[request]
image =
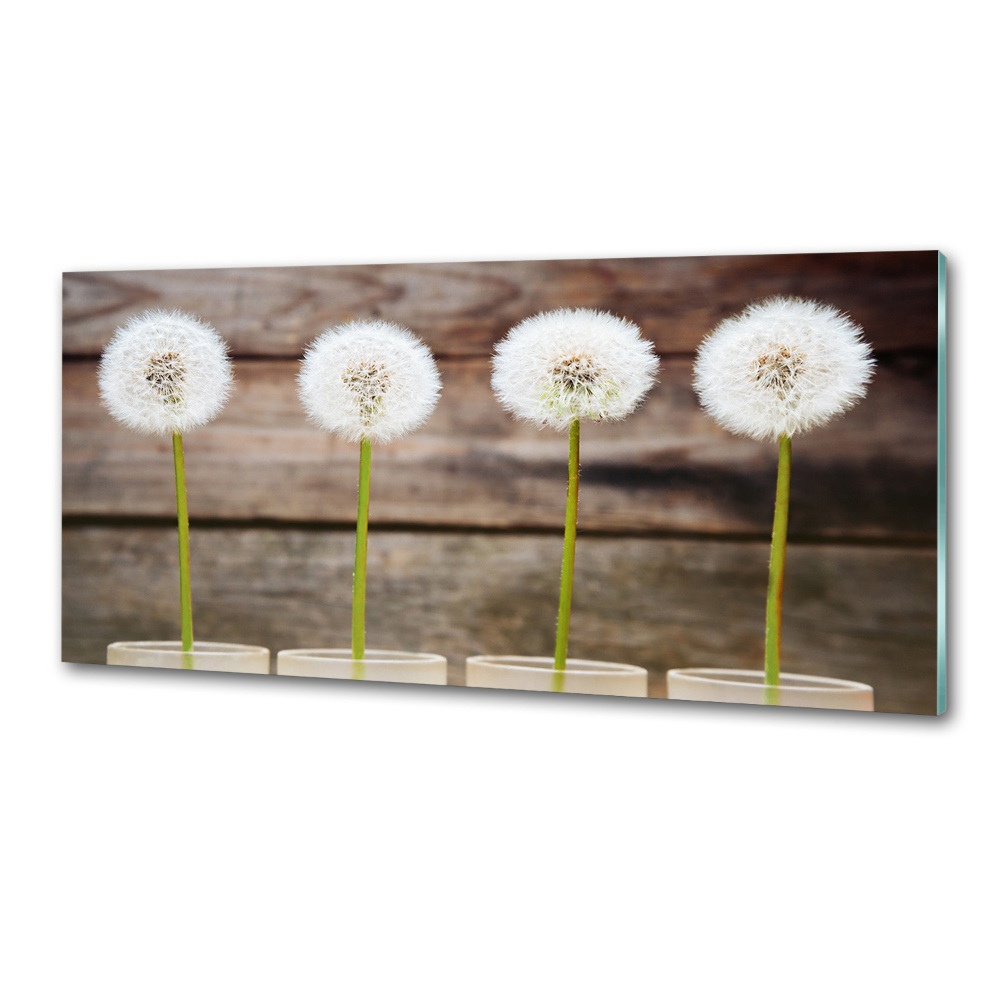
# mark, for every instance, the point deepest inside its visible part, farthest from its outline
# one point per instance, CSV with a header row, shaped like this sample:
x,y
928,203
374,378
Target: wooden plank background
x,y
675,512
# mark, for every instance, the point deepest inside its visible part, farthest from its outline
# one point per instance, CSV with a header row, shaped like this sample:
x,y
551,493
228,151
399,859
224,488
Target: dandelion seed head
x,y
570,364
781,367
368,379
165,372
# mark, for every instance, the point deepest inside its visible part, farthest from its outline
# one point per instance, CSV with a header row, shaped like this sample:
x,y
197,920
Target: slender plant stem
x,y
569,557
184,554
361,561
776,572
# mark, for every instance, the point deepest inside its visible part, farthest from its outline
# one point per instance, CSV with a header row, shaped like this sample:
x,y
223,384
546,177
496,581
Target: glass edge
x,y
942,521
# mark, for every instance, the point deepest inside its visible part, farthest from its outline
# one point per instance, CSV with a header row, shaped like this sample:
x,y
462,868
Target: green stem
x,y
569,557
776,572
184,554
361,561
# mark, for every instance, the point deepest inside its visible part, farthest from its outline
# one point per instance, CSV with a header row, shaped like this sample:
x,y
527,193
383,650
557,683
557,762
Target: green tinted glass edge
x,y
942,526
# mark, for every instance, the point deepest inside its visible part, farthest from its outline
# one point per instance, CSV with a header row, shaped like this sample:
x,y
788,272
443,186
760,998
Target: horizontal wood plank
x,y
864,613
463,309
668,467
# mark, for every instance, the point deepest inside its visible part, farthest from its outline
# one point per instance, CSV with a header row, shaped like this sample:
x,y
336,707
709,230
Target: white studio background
x,y
197,836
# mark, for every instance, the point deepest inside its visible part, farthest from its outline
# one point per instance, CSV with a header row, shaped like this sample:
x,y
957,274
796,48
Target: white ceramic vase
x,y
377,665
230,657
747,687
536,673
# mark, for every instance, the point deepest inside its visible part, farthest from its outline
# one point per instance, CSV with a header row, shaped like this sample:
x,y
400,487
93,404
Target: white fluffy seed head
x,y
781,367
567,364
165,372
368,379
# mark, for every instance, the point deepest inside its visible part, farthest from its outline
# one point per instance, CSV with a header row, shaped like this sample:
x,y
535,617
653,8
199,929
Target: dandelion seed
x,y
781,367
165,373
573,364
556,369
368,380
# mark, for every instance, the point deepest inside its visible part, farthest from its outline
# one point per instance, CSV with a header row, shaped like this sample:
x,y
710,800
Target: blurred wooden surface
x,y
668,467
462,309
675,512
857,612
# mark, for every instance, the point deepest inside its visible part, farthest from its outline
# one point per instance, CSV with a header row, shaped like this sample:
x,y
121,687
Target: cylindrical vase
x,y
747,687
231,657
537,673
377,665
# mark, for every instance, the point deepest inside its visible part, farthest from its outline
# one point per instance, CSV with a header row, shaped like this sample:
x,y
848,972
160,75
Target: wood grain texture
x,y
667,468
863,613
462,309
